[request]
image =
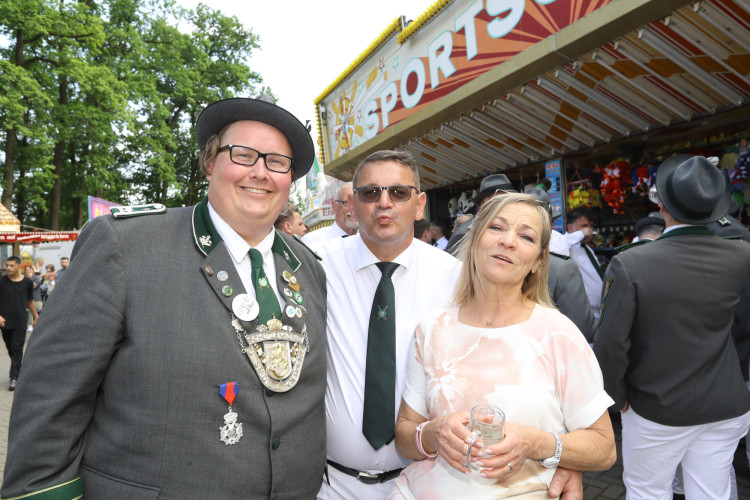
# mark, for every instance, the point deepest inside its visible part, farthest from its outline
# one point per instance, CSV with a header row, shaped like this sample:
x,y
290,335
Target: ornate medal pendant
x,y
231,432
277,354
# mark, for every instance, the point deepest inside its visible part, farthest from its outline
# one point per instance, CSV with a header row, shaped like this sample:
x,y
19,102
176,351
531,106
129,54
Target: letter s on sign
x,y
498,28
388,98
372,120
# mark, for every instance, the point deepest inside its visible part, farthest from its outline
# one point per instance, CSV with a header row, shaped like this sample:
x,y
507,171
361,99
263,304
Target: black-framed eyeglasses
x,y
343,202
371,194
246,156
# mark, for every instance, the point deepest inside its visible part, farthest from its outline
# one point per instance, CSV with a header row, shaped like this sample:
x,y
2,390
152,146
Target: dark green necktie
x,y
593,259
378,422
267,301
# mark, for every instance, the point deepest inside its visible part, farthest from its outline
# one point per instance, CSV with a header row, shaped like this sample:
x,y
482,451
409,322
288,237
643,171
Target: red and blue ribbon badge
x,y
229,391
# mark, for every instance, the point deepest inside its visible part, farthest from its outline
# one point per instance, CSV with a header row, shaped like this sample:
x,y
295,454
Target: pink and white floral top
x,y
540,372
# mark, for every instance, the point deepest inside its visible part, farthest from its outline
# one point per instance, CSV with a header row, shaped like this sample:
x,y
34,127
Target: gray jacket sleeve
x,y
612,337
568,294
65,363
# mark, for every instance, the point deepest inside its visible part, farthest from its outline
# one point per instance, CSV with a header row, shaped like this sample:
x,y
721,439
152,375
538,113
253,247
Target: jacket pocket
x,y
100,486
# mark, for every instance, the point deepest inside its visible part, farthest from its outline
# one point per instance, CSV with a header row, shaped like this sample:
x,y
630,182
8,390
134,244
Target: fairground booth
x,y
588,94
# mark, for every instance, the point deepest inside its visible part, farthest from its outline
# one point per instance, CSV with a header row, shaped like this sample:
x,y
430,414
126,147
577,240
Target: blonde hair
x,y
470,282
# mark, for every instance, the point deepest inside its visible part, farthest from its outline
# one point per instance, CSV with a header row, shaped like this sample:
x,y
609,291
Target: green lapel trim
x,y
72,490
686,230
207,238
632,245
594,262
204,231
281,249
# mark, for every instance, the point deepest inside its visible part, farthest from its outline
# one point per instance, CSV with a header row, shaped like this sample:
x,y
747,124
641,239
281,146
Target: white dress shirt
x,y
558,244
424,279
238,249
324,233
442,243
592,282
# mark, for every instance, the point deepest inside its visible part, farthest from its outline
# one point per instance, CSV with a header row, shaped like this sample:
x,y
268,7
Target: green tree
x,y
101,98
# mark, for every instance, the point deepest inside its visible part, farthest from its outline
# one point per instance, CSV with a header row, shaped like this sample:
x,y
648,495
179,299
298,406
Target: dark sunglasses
x,y
371,194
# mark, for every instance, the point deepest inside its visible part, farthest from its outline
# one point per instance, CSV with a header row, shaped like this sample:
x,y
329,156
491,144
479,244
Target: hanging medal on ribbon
x,y
231,432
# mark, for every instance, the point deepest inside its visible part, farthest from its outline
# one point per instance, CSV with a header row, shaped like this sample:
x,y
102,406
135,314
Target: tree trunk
x,y
57,161
77,200
54,208
20,191
192,196
10,167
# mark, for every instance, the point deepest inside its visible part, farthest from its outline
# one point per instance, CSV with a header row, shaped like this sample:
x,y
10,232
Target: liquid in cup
x,y
486,423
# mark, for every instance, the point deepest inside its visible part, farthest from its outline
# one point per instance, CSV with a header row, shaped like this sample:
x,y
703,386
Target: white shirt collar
x,y
235,243
363,257
677,226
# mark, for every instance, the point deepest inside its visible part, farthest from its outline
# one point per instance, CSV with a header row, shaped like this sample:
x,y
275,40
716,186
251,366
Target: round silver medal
x,y
245,307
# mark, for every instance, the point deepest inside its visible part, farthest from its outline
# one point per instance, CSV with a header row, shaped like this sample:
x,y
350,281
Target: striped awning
x,y
692,64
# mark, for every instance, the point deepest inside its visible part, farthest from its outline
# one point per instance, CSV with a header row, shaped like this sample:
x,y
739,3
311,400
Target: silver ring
x,y
510,467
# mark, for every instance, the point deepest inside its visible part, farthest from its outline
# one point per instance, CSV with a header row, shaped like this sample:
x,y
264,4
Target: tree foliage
x,y
101,98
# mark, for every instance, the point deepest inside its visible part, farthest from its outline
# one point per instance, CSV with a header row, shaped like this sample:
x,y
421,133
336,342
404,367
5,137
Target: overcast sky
x,y
307,44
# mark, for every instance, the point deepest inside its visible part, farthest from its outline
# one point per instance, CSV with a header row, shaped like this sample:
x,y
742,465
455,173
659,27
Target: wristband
x,y
418,440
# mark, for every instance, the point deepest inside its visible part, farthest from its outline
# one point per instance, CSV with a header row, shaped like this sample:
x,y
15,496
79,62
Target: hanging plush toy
x,y
578,198
614,183
463,203
641,180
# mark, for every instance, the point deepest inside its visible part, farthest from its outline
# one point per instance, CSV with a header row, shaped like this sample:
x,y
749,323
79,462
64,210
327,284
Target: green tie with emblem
x,y
264,294
378,419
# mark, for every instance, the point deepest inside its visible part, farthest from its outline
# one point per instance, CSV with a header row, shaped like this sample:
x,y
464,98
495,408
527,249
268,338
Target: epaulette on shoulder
x,y
566,257
137,210
724,222
631,245
299,240
733,237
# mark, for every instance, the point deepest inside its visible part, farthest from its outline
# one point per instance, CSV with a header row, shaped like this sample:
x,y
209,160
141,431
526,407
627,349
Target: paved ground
x,y
597,485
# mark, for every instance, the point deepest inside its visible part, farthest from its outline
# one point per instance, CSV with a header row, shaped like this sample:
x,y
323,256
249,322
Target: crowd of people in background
x,y
352,357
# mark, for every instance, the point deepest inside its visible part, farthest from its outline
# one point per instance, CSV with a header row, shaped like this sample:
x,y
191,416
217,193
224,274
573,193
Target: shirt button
x,y
379,464
275,443
269,393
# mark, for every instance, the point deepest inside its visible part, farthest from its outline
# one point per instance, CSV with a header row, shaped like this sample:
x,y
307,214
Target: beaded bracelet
x,y
418,441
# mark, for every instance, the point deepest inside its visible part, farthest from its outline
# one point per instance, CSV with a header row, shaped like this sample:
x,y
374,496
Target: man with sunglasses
x,y
386,201
343,223
194,367
369,337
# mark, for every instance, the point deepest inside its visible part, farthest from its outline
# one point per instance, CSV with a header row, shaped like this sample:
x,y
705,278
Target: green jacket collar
x,y
206,237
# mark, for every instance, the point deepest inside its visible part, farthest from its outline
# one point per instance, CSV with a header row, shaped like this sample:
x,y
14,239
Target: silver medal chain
x,y
241,331
238,328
